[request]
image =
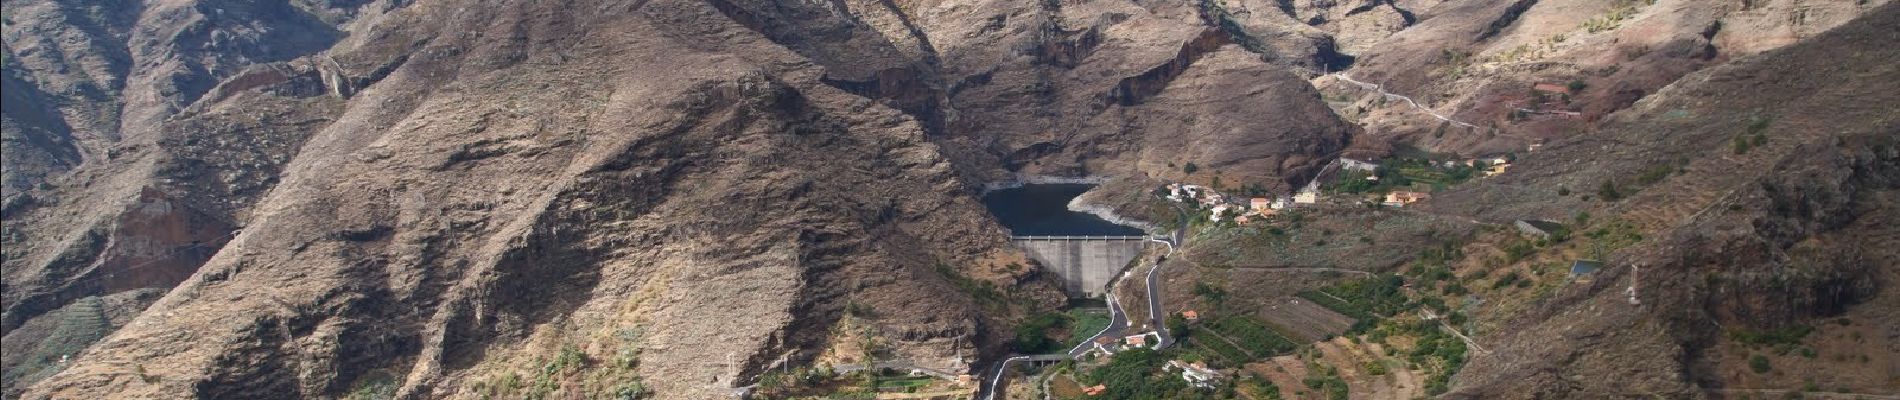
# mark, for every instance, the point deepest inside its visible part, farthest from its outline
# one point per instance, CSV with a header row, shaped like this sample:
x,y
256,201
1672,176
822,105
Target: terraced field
x,y
1367,371
1303,320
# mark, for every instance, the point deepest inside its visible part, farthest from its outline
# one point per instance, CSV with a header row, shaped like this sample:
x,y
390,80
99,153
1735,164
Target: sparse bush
x,y
1608,191
1759,364
1190,168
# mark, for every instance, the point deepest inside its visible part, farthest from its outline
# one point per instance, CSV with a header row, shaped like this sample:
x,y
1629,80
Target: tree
x,y
1577,85
1759,364
1210,293
1608,191
1177,325
1190,168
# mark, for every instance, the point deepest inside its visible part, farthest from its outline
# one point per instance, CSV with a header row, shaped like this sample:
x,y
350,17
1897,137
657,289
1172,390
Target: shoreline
x,y
1107,213
1021,180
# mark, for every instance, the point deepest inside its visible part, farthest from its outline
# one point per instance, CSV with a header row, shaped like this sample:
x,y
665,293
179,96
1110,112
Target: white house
x,y
1195,373
1356,165
1307,197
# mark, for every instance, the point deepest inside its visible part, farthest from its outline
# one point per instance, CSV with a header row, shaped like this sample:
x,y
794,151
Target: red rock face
x,y
157,243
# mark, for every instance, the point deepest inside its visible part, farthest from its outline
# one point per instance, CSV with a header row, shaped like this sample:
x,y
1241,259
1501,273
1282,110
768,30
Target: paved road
x,y
1157,317
1117,322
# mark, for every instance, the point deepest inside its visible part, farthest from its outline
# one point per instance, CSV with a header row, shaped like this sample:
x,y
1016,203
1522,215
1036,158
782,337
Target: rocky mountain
x,y
332,195
591,198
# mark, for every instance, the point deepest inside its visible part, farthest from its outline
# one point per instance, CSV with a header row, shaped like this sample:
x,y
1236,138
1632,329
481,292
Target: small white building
x,y
1307,197
1196,373
1356,165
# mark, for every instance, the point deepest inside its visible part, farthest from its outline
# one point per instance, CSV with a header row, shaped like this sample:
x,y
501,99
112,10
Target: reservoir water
x,y
1043,210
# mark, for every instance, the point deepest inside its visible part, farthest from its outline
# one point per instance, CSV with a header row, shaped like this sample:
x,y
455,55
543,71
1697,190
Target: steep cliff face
x,y
1064,88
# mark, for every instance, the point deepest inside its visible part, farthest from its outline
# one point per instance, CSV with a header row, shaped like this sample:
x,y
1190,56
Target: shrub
x,y
1759,364
1375,367
1190,168
1608,191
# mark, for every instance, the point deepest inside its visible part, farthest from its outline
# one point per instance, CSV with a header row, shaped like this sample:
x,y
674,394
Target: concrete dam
x,y
1085,263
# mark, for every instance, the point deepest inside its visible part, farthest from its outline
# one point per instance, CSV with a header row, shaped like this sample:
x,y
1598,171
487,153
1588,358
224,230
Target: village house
x,y
1195,373
1260,203
1137,340
1095,390
1191,315
1218,210
1496,169
1243,220
1307,197
1356,165
1400,198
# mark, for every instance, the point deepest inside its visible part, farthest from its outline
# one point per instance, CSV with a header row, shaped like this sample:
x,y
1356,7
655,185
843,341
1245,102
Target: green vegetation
x,y
1136,374
1376,367
1254,336
1084,324
1261,389
1363,299
1754,135
375,385
1178,324
1032,336
1439,353
1608,192
1202,338
1511,278
1759,364
77,325
1403,173
1619,11
570,359
1212,294
985,293
1576,85
1773,337
1190,168
1327,381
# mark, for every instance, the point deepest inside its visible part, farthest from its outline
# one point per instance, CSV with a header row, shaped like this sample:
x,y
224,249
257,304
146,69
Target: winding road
x,y
1118,318
1408,100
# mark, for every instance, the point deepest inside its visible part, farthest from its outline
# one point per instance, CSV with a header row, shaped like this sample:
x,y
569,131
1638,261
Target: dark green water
x,y
1043,209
